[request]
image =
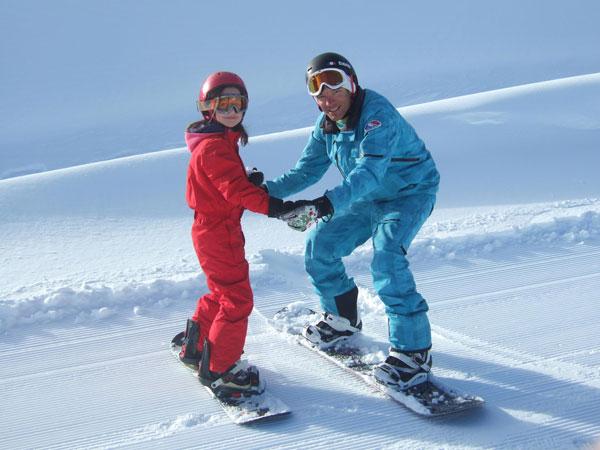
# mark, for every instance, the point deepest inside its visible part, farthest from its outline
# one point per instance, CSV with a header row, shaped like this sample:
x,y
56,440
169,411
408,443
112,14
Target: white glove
x,y
301,218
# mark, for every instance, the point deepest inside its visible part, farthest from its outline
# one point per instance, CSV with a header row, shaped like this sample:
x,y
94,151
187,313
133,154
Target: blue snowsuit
x,y
388,191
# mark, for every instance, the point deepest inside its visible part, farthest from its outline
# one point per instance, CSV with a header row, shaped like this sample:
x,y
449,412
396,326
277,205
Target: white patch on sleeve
x,y
371,125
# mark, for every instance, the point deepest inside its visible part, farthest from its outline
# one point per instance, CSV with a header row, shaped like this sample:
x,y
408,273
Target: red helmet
x,y
218,81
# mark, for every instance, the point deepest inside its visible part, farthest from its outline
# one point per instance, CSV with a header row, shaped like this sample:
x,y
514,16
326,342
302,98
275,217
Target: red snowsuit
x,y
218,191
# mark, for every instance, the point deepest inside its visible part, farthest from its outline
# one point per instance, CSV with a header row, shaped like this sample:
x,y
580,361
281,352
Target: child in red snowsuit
x,y
219,190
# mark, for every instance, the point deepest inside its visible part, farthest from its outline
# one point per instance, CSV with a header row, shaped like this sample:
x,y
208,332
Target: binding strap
x,y
409,361
227,376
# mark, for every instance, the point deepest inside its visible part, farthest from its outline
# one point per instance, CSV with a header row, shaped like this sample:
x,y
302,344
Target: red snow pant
x,y
222,314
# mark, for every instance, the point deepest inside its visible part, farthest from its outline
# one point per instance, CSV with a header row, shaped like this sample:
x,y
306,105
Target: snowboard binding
x,y
188,341
236,385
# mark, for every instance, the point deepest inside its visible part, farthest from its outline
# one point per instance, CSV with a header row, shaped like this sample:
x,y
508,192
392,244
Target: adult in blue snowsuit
x,y
388,190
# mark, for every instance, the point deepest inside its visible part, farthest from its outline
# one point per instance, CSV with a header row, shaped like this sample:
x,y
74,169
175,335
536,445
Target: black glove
x,y
324,207
256,178
278,207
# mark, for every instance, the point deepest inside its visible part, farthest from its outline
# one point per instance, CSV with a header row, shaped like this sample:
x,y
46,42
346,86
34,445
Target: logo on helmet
x,y
340,63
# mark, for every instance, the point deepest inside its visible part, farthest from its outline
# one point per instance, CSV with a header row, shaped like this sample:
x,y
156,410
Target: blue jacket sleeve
x,y
375,156
309,169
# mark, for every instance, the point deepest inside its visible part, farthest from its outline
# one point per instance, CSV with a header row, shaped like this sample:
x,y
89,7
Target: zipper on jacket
x,y
406,159
371,155
337,163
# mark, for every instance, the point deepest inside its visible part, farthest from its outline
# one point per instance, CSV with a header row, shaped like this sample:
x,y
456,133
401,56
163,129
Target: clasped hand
x,y
302,214
299,215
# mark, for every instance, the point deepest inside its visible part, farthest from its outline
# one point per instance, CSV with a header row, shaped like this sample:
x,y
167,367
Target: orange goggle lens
x,y
225,103
332,78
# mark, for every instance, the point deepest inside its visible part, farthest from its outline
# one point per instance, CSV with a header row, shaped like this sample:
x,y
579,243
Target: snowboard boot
x,y
234,385
403,370
331,330
189,353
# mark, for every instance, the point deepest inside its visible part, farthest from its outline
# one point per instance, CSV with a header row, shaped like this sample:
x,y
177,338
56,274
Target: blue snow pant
x,y
392,225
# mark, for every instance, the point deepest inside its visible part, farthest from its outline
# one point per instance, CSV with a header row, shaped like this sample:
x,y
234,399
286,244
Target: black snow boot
x,y
331,329
238,382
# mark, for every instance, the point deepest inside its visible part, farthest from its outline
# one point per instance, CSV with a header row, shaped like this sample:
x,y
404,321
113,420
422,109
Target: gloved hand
x,y
324,207
278,207
306,213
254,176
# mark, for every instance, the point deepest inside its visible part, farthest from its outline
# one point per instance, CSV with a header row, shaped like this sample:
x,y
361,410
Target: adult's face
x,y
335,103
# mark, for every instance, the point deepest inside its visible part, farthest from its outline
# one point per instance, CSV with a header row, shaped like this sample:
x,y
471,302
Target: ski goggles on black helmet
x,y
332,78
225,103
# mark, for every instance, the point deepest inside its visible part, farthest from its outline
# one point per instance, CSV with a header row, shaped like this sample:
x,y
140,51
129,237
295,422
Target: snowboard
x,y
431,398
241,411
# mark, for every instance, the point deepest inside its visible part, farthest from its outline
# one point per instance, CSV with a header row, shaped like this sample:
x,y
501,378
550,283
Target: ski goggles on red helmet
x,y
332,78
225,103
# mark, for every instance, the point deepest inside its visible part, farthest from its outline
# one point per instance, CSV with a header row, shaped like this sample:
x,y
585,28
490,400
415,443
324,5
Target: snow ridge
x,y
94,302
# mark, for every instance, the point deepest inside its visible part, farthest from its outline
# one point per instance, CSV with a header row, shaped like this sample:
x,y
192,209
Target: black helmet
x,y
332,61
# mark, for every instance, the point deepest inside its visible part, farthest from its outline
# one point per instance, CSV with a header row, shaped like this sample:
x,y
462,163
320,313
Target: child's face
x,y
231,118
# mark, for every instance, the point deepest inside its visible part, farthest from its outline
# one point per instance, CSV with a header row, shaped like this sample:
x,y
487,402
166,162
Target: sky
x,y
84,82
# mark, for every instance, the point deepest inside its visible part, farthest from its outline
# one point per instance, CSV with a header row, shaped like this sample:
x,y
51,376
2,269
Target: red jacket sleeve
x,y
224,168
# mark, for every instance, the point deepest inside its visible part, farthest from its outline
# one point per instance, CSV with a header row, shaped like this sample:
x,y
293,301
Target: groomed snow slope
x,y
98,273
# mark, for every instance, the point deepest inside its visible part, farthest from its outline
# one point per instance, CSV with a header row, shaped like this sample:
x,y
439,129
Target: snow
x,y
97,271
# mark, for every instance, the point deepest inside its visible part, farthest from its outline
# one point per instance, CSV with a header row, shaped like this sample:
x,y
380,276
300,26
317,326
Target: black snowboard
x,y
430,398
